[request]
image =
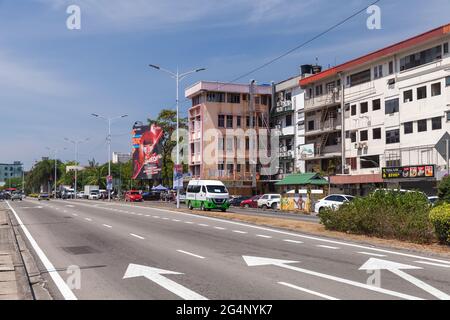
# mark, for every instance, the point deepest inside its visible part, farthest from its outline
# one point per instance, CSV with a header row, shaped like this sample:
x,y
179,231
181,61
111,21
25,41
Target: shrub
x,y
440,217
403,216
444,189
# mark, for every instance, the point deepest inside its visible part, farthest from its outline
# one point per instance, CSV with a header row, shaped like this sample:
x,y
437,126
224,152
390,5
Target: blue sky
x,y
52,78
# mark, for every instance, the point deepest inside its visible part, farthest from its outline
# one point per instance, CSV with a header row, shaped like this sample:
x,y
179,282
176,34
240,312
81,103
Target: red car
x,y
133,196
250,203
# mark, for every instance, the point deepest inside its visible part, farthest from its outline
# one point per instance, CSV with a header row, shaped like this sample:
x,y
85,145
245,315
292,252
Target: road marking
x,y
219,228
292,241
433,264
165,218
191,254
308,291
287,233
238,231
147,215
175,220
372,254
203,225
59,282
74,214
156,217
264,236
137,236
106,225
259,261
65,211
156,275
328,247
396,268
140,214
188,222
87,219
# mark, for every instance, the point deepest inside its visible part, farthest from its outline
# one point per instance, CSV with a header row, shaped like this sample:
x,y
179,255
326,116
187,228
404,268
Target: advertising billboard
x,y
409,172
147,151
306,151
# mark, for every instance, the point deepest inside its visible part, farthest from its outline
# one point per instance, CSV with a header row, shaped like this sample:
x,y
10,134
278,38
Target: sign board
x,y
73,168
441,146
410,172
178,176
306,151
109,183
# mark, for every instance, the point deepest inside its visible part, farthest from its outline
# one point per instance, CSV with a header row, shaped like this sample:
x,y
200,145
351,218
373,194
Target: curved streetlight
x,y
55,152
76,143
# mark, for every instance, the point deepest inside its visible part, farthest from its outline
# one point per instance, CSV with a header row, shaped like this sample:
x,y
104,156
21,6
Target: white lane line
x,y
137,236
238,231
74,214
203,225
372,254
188,222
87,219
140,214
264,236
175,220
165,218
293,241
191,254
106,225
59,282
219,228
65,211
315,293
147,215
433,264
327,247
156,217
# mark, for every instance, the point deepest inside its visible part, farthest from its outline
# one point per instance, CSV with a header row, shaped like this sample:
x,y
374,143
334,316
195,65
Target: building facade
x,y
220,119
387,109
9,171
121,157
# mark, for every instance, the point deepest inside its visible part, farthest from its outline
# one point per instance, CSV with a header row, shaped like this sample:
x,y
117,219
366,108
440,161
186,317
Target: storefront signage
x,y
409,172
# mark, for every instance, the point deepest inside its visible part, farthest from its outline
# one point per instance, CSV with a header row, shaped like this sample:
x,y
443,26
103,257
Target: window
x,y
233,98
446,48
265,100
421,93
353,136
247,143
378,72
370,162
353,111
215,97
391,106
376,134
376,104
448,116
229,144
311,125
436,89
391,67
351,162
408,127
360,77
363,135
196,100
238,121
221,121
392,136
364,107
422,125
319,90
289,120
407,96
447,81
420,58
229,121
436,123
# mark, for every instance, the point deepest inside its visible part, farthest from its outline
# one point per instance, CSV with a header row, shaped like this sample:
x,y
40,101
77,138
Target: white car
x,y
80,195
269,201
333,201
94,195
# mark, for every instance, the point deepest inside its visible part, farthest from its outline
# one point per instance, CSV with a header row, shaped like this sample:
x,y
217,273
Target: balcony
x,y
319,102
196,158
286,154
285,131
331,124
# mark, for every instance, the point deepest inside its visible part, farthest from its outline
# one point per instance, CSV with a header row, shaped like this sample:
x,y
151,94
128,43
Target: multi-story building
x,y
9,171
396,104
220,118
287,118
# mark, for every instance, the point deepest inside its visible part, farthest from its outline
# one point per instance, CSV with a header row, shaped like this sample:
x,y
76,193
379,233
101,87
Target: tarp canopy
x,y
303,179
159,188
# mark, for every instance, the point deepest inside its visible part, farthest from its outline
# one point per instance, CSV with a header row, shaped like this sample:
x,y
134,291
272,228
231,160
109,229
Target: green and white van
x,y
207,195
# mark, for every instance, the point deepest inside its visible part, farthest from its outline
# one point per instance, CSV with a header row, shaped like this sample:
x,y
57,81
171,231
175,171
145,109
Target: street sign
x,y
109,183
441,146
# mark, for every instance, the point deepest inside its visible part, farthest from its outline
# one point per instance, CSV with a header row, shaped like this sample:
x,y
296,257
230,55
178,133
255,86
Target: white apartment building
x,y
287,118
396,104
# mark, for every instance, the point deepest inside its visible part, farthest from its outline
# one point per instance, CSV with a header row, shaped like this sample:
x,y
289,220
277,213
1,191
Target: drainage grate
x,y
80,250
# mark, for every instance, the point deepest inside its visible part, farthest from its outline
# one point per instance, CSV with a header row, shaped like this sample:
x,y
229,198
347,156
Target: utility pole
x,y
55,153
76,143
253,151
448,156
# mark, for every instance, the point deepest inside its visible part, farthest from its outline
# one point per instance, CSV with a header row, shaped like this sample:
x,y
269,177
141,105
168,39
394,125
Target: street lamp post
x,y
109,120
178,77
76,143
55,152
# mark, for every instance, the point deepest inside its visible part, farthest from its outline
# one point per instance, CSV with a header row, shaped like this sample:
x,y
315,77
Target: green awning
x,y
302,180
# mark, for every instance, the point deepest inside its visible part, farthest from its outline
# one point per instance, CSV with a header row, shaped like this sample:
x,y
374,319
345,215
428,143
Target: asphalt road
x,y
117,247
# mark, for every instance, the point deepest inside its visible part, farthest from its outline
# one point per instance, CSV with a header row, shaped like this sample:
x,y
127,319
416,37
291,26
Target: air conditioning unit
x,y
364,145
357,146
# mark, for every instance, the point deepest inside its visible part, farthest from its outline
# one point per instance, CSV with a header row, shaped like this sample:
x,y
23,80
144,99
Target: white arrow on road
x,y
259,261
155,275
396,268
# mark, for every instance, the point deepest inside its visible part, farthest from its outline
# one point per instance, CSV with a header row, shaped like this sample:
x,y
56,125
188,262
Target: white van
x,y
207,195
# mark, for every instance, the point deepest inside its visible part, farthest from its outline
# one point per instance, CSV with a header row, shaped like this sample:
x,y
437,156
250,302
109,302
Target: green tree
x,y
444,189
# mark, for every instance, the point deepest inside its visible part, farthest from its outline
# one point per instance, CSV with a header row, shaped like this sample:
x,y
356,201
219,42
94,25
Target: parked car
x,y
151,196
333,201
80,195
236,201
94,195
44,196
269,201
133,196
433,200
16,196
251,202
